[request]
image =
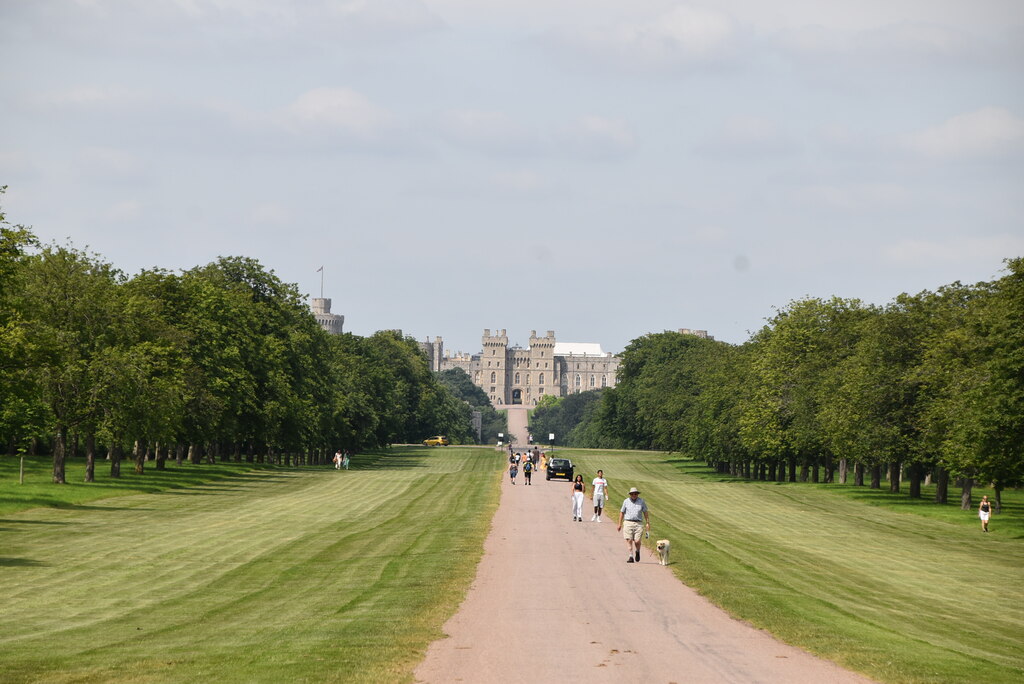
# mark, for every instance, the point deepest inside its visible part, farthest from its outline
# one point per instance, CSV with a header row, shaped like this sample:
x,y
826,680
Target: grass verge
x,y
902,593
299,575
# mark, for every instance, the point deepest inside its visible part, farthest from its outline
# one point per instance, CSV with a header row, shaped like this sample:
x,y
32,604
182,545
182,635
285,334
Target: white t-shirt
x,y
599,484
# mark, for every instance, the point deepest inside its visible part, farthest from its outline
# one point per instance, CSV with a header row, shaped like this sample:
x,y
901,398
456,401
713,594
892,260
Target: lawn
x,y
232,574
898,590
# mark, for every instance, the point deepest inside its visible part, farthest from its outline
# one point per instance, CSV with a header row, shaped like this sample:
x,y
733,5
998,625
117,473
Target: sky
x,y
601,169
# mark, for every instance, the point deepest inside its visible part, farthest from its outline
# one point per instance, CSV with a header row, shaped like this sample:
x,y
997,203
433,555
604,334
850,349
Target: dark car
x,y
560,467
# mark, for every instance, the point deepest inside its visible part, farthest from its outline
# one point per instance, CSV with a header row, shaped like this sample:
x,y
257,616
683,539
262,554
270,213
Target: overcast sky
x,y
603,169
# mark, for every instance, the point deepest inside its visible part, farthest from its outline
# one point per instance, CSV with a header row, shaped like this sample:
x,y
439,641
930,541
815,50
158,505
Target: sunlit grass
x,y
298,575
900,592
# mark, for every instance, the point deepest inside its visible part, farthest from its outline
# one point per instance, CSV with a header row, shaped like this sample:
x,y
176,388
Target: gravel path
x,y
555,601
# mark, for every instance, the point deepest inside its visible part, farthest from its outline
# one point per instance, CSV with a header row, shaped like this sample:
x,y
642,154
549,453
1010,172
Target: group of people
x,y
634,517
529,462
341,459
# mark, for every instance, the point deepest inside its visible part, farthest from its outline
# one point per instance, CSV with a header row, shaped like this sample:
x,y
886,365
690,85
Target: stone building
x,y
332,323
517,375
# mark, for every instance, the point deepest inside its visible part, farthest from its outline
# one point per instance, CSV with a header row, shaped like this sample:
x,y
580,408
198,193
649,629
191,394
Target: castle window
x,y
517,378
579,380
494,376
541,379
592,381
604,381
527,378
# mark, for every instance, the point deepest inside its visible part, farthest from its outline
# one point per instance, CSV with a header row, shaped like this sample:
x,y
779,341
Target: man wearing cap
x,y
632,517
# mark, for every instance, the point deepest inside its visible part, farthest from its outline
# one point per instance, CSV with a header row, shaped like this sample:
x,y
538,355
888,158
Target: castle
x,y
513,375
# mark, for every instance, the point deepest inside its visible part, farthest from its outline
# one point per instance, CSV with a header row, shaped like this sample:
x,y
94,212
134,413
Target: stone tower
x,y
494,366
332,323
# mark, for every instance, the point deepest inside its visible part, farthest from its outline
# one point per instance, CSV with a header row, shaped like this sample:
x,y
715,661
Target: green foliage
x,y
567,417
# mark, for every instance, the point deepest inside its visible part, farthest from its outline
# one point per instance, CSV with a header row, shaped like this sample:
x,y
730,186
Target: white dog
x,y
664,546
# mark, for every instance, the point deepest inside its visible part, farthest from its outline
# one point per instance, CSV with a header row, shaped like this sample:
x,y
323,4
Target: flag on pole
x,y
320,269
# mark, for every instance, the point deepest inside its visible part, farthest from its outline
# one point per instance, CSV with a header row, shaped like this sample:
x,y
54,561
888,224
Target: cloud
x,y
589,137
748,137
989,133
485,131
191,27
684,36
854,197
954,251
915,41
597,137
331,111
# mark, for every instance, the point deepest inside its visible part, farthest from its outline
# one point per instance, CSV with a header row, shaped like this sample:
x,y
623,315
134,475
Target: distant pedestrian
x,y
345,459
527,472
513,470
578,489
633,513
984,510
600,492
337,460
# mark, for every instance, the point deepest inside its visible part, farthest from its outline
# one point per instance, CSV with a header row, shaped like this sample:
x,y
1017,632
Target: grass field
x,y
901,591
229,574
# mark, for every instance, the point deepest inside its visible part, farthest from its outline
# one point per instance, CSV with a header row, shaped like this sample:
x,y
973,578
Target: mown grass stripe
x,y
893,593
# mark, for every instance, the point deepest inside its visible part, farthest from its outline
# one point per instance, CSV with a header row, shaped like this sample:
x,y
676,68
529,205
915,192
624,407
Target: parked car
x,y
560,467
440,440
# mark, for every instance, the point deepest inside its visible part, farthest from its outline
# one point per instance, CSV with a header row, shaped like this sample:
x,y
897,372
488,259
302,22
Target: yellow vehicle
x,y
440,440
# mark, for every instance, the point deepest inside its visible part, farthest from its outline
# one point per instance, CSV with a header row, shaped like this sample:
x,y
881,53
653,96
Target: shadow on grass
x,y
20,563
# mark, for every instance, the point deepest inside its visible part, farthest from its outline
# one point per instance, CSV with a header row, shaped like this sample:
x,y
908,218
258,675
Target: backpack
x,y
527,467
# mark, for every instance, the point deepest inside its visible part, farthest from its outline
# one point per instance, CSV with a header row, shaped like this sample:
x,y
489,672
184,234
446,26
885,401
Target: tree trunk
x,y
161,456
830,469
804,471
997,504
771,470
115,458
914,471
876,476
941,485
139,456
90,457
74,445
966,503
237,456
59,447
894,477
250,457
843,470
815,471
211,452
858,474
195,453
179,453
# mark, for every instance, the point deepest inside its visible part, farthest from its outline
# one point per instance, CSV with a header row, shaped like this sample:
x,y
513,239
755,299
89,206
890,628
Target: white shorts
x,y
983,515
599,500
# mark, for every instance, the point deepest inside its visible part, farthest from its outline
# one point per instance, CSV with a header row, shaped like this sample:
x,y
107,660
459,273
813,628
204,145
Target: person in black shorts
x,y
527,471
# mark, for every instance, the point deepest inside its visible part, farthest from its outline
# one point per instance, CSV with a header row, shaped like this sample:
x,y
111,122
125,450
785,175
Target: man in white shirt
x,y
600,492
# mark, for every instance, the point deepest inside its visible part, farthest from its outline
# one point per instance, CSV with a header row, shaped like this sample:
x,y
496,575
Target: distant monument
x,y
513,375
332,323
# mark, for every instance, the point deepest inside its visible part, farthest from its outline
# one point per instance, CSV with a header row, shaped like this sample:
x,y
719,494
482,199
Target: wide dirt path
x,y
555,601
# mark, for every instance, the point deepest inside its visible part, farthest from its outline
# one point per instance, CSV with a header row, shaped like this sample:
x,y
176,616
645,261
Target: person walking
x,y
578,489
632,517
527,472
600,488
337,460
984,511
513,470
346,458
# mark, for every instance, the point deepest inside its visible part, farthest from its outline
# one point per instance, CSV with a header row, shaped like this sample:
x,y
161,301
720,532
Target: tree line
x,y
926,388
220,361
